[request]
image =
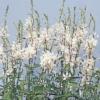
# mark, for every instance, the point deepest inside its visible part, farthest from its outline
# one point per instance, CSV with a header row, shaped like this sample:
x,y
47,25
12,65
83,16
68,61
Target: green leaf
x,y
38,89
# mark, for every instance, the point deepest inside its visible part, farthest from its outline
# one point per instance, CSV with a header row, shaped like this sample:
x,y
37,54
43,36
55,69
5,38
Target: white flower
x,y
44,36
74,41
16,50
80,33
17,54
3,32
90,61
62,47
47,60
33,35
90,43
87,70
2,55
15,46
65,76
59,27
9,71
88,65
68,39
28,52
28,24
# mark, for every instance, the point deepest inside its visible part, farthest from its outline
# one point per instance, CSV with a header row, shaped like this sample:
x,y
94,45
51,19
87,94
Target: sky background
x,y
19,9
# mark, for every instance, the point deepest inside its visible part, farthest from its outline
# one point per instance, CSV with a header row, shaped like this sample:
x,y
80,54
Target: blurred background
x,y
20,9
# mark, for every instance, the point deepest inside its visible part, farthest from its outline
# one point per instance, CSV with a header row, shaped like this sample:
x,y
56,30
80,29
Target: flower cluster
x,y
56,40
47,60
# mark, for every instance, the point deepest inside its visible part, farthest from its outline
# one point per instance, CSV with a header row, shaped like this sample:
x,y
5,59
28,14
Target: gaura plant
x,y
52,63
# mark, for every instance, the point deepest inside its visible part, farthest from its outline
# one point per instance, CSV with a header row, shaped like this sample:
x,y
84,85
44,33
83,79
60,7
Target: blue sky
x,y
19,9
